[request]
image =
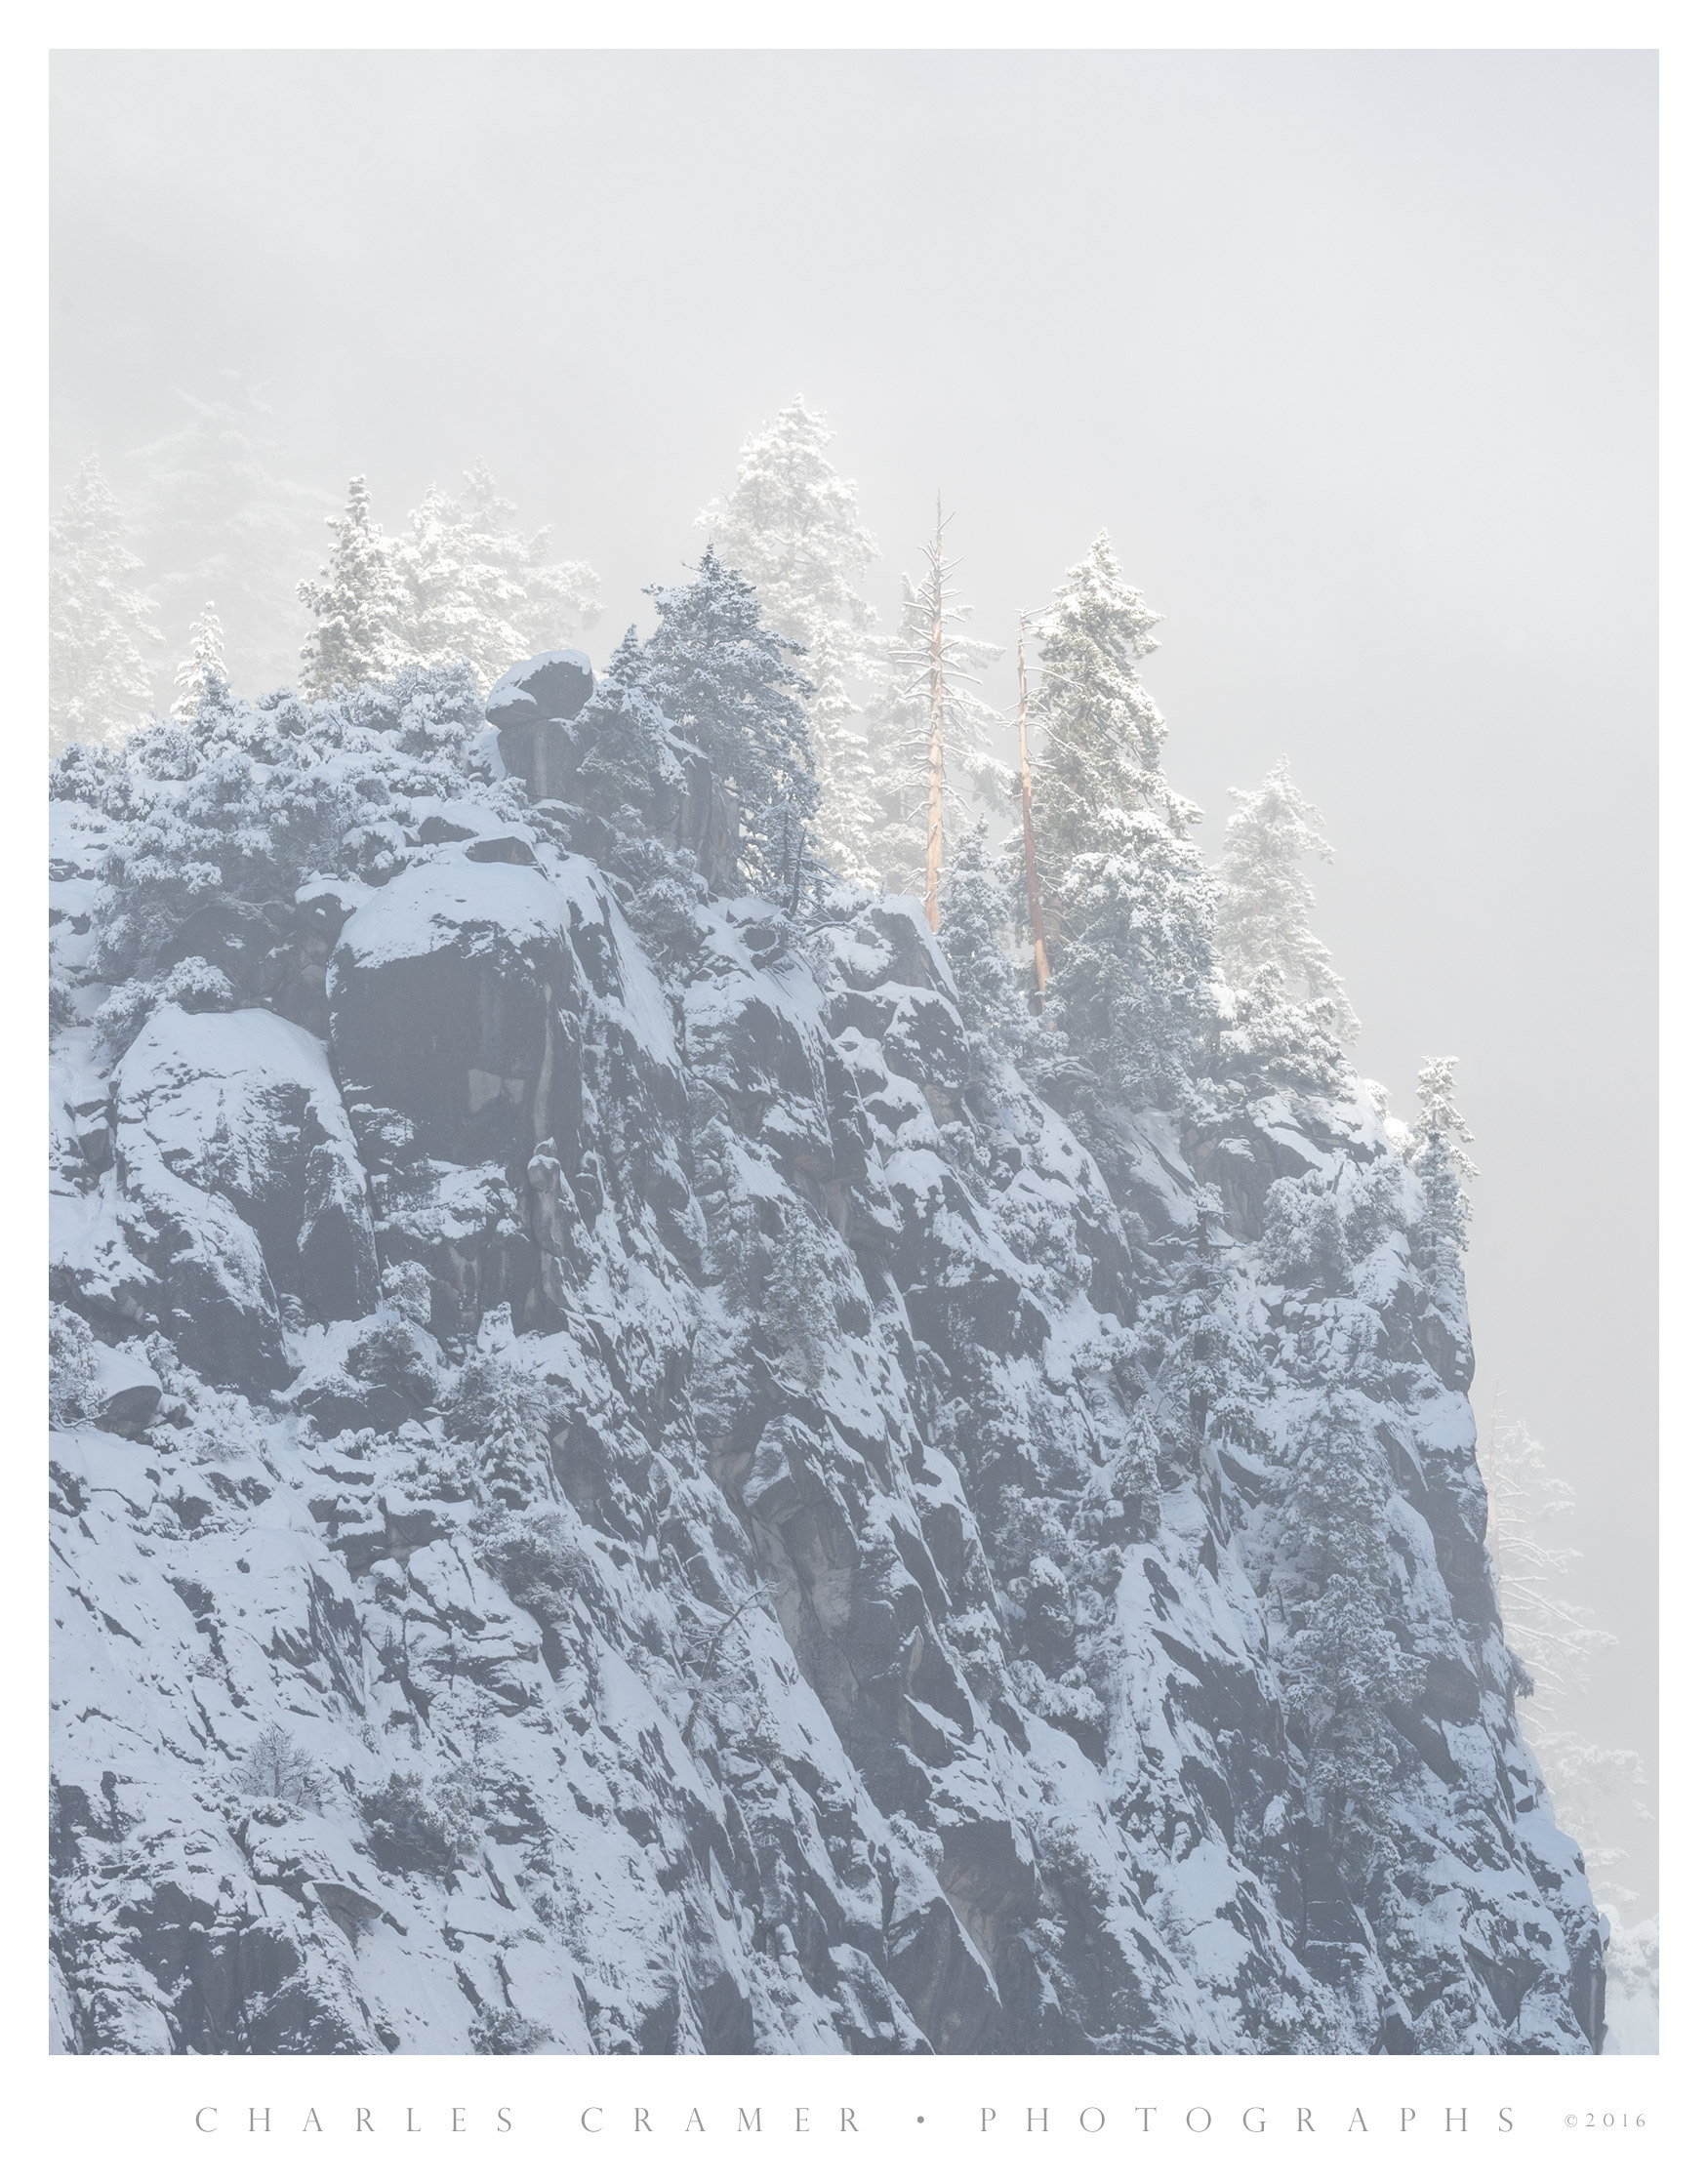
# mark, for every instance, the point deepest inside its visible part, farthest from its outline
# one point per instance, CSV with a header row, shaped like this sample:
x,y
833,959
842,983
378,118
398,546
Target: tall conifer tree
x,y
360,604
971,932
1129,907
1442,1168
479,590
218,520
1040,961
731,686
1265,917
1288,1021
791,525
98,626
1342,1667
1100,732
202,675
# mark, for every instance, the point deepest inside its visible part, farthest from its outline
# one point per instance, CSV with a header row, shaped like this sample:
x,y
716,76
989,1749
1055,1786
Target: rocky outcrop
x,y
534,708
657,1508
233,1182
454,1000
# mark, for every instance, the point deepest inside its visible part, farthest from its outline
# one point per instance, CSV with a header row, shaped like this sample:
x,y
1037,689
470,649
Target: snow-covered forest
x,y
737,1362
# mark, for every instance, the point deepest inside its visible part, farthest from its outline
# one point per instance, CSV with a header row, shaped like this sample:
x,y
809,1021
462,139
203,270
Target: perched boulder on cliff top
x,y
549,686
455,1001
529,707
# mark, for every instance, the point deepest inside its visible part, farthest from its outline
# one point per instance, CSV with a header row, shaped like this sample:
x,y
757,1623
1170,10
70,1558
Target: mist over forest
x,y
769,738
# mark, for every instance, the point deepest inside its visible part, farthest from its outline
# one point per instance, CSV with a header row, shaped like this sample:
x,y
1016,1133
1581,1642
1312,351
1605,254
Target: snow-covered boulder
x,y
238,1182
549,686
125,1390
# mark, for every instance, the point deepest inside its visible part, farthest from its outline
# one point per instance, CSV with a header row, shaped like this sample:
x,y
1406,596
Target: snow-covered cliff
x,y
620,1486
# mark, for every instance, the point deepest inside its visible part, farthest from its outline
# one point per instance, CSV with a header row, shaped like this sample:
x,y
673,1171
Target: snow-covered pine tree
x,y
1550,1634
1100,732
217,520
98,685
1134,956
623,740
360,604
1265,917
499,1407
975,916
1442,1169
930,732
1286,1017
1342,1666
730,685
1128,905
481,590
1134,1479
1210,1380
71,1367
202,676
1557,1643
791,525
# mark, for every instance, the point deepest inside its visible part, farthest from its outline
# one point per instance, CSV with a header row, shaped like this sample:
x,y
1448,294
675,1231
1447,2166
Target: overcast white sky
x,y
1353,354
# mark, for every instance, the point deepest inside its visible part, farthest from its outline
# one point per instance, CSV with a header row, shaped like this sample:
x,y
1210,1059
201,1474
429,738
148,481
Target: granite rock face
x,y
620,1533
454,1004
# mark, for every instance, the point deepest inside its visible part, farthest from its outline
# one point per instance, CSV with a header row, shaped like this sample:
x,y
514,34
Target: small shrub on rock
x,y
70,1366
414,1828
279,1771
409,1291
533,1555
387,1357
508,2030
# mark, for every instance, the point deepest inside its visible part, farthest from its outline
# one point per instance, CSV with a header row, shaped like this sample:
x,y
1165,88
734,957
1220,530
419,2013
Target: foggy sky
x,y
1353,354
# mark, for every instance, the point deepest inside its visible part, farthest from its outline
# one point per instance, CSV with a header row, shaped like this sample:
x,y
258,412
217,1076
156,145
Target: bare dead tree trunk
x,y
934,822
723,1629
1034,901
